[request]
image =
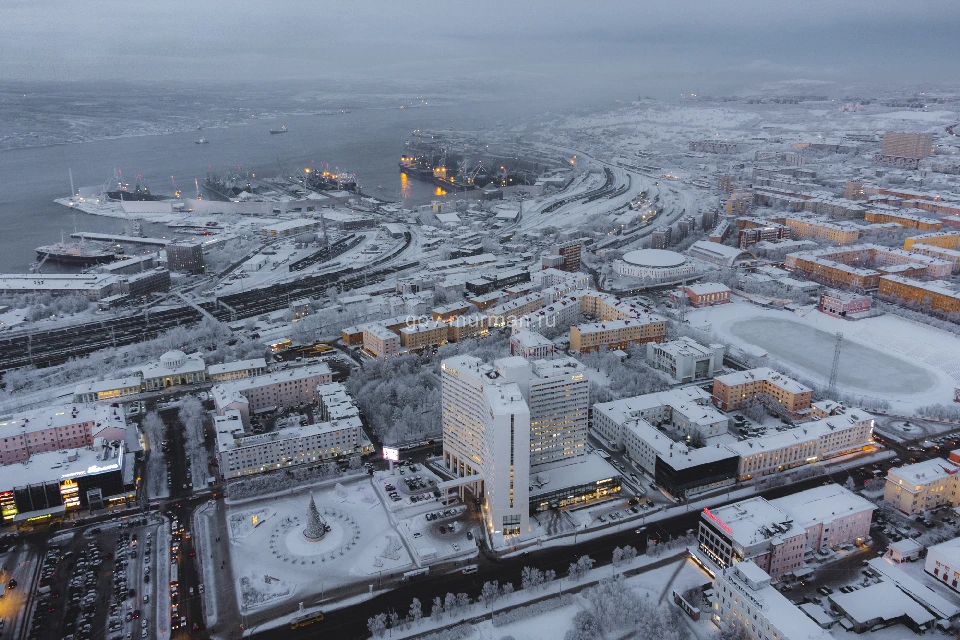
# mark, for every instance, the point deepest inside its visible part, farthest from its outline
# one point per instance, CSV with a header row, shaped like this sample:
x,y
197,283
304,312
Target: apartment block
x,y
58,428
685,412
804,444
424,335
616,334
729,391
907,145
942,239
380,342
839,232
531,345
917,488
240,453
776,535
904,219
282,389
937,295
744,598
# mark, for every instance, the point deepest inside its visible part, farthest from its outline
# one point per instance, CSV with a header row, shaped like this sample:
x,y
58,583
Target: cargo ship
x,y
282,129
431,157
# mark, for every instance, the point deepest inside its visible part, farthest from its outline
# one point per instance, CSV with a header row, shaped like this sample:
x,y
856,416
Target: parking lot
x,y
88,587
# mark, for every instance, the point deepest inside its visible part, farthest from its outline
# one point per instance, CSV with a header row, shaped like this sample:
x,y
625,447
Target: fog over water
x,y
81,72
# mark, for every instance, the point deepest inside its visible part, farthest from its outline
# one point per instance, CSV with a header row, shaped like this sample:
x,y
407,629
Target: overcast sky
x,y
663,46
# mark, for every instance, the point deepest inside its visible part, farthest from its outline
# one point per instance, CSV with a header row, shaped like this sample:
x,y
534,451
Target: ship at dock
x,y
77,253
119,190
452,165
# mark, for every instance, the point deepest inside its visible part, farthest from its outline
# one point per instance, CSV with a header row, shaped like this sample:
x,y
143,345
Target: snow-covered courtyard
x,y
274,562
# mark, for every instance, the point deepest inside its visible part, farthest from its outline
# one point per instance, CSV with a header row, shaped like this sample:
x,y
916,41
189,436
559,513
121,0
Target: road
x,y
350,623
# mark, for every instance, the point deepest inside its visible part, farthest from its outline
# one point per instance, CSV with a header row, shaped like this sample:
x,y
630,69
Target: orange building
x,y
936,295
904,219
731,390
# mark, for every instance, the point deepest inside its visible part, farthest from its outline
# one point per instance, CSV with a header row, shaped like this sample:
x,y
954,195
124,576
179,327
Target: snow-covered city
x,y
415,349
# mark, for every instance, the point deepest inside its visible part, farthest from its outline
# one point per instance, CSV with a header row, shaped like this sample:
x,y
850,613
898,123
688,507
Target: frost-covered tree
x,y
377,625
585,627
579,568
489,593
316,527
191,415
416,611
436,611
531,578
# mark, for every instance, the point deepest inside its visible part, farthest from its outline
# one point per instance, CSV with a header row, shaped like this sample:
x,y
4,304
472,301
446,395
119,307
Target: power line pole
x,y
835,369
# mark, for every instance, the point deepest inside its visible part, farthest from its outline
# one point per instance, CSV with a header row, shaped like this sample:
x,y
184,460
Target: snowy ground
x,y
273,562
657,584
885,357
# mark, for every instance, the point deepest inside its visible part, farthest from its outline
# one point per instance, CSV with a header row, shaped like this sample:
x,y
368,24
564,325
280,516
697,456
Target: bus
x,y
302,621
174,578
416,573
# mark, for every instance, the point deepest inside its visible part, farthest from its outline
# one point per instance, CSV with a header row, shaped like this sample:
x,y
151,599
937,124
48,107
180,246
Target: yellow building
x,y
423,335
820,228
617,334
944,239
731,390
915,488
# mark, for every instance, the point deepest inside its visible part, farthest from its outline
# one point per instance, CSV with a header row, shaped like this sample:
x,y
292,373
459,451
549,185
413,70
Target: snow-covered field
x,y
885,357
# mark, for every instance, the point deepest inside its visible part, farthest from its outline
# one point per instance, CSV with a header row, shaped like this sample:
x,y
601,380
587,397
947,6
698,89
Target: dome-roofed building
x,y
654,266
174,368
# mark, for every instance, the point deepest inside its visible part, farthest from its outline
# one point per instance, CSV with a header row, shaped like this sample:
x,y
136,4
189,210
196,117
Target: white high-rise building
x,y
486,431
557,393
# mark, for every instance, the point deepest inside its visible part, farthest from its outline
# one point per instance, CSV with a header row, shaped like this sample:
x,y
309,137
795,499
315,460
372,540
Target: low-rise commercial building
x,y
696,471
107,389
943,563
51,484
721,254
236,370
